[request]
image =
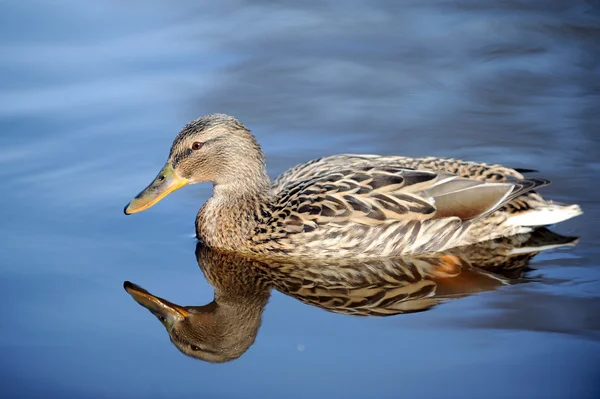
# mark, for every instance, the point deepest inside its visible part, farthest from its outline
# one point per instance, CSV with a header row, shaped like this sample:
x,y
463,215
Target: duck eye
x,y
197,145
194,348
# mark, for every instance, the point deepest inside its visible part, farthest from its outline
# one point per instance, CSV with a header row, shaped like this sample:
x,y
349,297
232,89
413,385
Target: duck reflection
x,y
225,328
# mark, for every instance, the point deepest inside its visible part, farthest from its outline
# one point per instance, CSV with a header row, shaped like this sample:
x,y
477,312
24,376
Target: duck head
x,y
216,148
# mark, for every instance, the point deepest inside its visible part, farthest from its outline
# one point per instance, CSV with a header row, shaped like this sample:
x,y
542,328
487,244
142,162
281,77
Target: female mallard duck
x,y
343,205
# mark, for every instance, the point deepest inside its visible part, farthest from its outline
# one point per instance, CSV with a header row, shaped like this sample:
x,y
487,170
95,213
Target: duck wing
x,y
472,170
373,196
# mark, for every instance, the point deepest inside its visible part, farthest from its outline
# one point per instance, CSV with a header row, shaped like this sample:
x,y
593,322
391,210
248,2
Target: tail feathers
x,y
544,215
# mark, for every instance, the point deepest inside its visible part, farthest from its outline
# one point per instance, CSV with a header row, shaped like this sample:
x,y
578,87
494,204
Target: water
x,y
92,95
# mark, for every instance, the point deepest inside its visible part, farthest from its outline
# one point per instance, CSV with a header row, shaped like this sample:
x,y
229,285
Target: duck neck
x,y
227,220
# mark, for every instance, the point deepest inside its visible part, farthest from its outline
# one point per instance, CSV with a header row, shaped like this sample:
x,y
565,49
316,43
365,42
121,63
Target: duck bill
x,y
167,312
164,184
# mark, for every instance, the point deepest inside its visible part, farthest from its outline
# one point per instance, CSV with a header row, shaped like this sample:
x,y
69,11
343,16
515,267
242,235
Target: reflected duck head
x,y
215,332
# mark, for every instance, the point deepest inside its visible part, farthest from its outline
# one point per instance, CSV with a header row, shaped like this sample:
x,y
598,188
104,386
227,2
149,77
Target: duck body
x,y
346,205
353,205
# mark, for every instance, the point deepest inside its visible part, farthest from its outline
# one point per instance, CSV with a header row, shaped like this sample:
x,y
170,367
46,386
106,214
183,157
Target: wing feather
x,y
372,196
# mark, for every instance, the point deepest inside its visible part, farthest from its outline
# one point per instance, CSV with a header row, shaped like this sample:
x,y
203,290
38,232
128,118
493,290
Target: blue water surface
x,y
93,92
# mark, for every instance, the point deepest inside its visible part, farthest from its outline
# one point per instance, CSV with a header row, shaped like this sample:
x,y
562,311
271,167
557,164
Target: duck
x,y
346,205
225,328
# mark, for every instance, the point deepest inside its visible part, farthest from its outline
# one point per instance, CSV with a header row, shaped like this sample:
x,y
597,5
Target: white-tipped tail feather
x,y
545,215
